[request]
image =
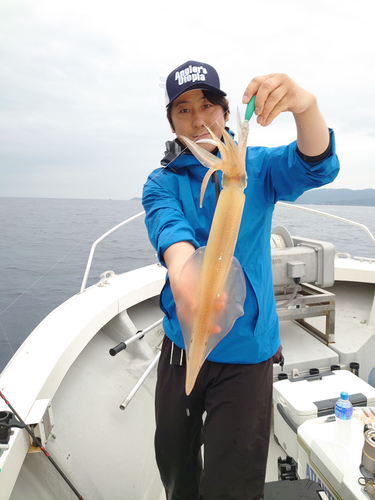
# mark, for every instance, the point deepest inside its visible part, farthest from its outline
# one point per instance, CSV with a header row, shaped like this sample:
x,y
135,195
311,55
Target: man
x,y
234,386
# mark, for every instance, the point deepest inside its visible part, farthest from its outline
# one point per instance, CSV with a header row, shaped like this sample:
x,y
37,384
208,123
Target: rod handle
x,y
118,348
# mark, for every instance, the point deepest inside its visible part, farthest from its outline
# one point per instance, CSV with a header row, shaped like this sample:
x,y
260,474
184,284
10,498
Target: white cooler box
x,y
300,399
326,460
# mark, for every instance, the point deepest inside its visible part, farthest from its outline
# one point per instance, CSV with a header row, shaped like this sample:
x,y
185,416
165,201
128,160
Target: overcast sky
x,y
82,113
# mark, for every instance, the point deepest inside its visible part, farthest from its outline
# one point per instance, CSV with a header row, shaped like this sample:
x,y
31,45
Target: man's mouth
x,y
203,135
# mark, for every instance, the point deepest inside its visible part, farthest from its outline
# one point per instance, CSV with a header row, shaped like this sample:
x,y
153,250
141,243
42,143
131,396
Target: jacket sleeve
x,y
287,175
165,221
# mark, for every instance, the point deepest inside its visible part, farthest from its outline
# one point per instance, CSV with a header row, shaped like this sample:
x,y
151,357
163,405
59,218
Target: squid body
x,y
221,287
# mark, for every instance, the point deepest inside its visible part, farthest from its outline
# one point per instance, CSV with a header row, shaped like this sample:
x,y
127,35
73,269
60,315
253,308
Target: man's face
x,y
190,113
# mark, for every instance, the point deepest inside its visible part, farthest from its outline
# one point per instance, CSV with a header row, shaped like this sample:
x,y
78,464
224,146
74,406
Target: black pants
x,y
235,434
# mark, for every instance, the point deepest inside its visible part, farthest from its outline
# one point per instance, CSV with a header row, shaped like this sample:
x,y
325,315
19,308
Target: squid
x,y
221,283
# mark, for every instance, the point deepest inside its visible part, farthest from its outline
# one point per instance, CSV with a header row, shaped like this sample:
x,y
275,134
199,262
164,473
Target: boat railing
x,y
331,216
290,205
96,243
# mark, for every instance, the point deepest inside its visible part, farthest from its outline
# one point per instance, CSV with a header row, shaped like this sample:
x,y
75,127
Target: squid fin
x,y
199,344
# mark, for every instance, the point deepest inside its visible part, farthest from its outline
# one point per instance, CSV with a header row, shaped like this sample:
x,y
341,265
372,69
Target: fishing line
x,y
134,195
79,243
49,270
58,262
35,440
33,284
162,167
6,337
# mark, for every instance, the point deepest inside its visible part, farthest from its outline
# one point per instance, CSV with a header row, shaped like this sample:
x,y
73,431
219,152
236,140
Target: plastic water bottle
x,y
343,412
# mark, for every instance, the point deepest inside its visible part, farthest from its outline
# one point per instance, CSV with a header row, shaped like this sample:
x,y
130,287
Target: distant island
x,y
348,197
327,196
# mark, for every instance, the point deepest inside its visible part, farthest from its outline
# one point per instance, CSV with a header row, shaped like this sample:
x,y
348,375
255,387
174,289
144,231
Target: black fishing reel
x,y
7,421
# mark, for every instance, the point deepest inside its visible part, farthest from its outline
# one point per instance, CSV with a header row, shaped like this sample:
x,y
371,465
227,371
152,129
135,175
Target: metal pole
x,y
133,392
123,345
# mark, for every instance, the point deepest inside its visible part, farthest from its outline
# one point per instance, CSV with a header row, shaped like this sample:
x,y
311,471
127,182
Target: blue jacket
x,y
171,200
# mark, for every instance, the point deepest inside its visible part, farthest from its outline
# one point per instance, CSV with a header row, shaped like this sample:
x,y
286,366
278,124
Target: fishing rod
x,y
9,420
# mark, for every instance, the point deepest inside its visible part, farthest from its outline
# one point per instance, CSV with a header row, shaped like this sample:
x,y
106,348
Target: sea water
x,y
45,244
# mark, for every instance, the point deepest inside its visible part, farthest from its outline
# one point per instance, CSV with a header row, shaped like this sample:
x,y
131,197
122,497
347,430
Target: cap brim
x,y
198,86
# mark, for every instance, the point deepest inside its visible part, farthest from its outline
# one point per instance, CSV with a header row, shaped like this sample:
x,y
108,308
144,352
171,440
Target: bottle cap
x,y
344,395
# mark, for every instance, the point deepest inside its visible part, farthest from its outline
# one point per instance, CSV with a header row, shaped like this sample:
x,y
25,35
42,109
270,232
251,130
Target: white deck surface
x,y
81,377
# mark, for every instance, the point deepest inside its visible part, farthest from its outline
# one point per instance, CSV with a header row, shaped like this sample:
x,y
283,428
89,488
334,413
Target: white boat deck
x,y
106,451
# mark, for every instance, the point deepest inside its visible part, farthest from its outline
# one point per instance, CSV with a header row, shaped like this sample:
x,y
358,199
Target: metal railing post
x,y
95,244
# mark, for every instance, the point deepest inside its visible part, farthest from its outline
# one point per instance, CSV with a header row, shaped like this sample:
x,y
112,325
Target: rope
x,y
277,241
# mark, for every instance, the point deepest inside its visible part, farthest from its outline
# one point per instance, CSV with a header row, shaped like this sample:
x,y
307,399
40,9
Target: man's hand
x,y
277,93
184,283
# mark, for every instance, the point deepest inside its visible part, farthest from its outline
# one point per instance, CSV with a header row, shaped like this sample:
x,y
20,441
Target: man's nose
x,y
198,119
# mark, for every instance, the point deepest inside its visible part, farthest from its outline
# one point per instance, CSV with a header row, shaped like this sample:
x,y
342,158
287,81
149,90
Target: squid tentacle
x,y
207,159
206,178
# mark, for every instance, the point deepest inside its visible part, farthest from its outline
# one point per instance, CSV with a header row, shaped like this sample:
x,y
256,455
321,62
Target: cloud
x,y
82,114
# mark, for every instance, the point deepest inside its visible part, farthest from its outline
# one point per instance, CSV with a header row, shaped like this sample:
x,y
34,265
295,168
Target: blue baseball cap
x,y
189,76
